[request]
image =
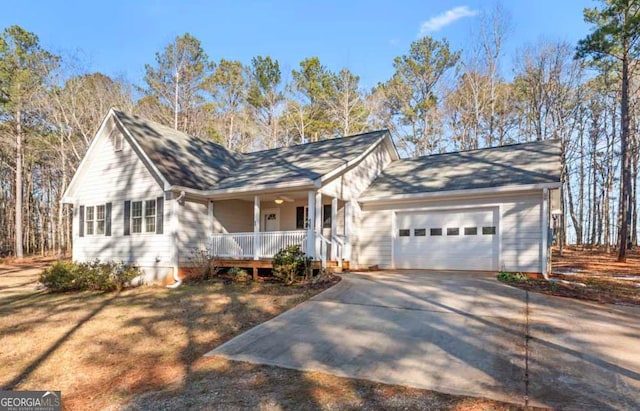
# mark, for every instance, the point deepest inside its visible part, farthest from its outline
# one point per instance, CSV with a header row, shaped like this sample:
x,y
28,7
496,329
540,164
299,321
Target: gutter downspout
x,y
545,233
174,239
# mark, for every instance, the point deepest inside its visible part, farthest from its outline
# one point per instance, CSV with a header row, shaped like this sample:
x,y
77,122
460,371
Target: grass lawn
x,y
144,347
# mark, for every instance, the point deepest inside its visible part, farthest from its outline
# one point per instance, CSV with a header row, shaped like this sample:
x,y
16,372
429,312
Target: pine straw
x,y
595,262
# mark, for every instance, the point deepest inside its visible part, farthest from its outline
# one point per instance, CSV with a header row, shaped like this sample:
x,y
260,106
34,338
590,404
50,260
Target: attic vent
x,y
117,140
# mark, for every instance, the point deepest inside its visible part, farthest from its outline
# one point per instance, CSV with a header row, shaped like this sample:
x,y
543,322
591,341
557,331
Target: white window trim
x,y
132,218
86,220
97,220
155,216
143,213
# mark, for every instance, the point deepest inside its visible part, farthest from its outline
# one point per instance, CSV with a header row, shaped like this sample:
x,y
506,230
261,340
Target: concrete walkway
x,y
460,334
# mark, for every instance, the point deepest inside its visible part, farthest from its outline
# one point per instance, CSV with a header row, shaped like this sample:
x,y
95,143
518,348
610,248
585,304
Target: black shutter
x,y
300,218
107,219
81,221
159,214
127,217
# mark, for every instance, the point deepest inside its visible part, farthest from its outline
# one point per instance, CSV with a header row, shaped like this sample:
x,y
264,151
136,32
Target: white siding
x,y
233,216
520,226
352,183
114,177
193,230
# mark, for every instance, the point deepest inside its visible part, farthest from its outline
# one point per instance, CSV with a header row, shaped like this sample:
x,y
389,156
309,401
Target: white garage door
x,y
448,240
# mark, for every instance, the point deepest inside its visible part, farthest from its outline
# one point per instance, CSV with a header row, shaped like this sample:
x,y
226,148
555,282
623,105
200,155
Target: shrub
x,y
61,276
290,263
509,277
95,276
238,275
203,265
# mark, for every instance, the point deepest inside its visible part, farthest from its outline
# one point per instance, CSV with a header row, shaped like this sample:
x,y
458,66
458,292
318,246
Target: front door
x,y
271,219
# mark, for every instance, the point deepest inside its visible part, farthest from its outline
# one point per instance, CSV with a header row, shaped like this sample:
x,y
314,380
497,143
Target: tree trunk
x,y
594,189
19,253
176,99
579,238
625,169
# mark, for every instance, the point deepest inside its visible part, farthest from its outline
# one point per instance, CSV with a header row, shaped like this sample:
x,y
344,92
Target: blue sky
x,y
119,37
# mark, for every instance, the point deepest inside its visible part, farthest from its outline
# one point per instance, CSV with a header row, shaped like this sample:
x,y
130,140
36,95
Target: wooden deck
x,y
254,265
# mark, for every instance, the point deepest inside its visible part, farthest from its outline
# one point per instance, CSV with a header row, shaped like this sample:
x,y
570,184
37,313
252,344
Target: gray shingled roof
x,y
182,159
192,162
304,161
517,164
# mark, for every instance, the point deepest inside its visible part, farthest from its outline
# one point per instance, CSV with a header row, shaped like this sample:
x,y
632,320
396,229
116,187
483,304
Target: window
x,y
491,230
419,232
302,218
89,220
136,216
100,220
453,231
404,233
326,216
470,230
435,231
150,216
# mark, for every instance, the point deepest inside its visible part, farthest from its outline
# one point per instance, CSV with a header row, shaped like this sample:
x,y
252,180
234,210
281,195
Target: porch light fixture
x,y
279,201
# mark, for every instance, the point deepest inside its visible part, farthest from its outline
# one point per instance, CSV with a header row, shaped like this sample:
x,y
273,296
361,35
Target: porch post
x,y
334,228
348,218
256,227
318,224
311,219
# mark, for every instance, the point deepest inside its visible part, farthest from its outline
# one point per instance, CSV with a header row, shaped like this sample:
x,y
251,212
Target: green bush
x,y
509,277
291,263
94,276
238,275
61,276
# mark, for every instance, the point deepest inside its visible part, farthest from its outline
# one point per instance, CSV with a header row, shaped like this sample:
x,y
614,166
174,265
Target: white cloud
x,y
444,19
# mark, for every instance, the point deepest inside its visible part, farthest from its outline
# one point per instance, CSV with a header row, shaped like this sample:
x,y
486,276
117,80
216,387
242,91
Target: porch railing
x,y
243,245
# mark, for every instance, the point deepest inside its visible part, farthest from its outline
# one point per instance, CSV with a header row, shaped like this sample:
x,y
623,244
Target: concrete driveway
x,y
461,334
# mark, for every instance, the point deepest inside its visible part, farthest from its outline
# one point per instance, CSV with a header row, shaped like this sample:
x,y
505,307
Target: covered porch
x,y
257,227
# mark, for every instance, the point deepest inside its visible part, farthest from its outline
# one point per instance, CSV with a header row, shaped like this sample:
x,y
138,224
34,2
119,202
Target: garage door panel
x,y
455,252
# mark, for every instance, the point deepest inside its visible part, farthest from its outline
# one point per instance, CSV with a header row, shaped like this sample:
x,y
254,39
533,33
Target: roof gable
x,y
96,156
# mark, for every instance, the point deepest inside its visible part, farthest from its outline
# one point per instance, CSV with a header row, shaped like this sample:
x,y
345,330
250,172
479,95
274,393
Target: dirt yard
x,y
143,348
594,261
590,274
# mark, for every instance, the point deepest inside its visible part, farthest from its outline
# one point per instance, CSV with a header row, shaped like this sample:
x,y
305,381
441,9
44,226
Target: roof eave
x,y
220,194
459,193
